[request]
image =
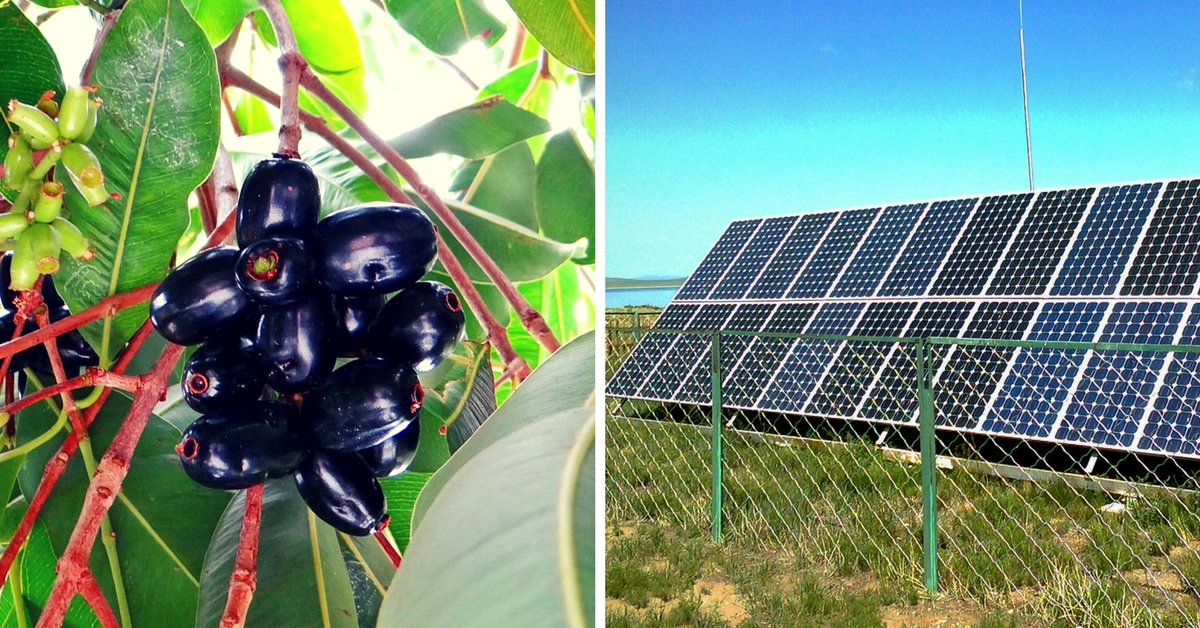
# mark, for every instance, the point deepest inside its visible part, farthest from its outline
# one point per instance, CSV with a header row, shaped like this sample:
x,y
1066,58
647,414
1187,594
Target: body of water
x,y
639,296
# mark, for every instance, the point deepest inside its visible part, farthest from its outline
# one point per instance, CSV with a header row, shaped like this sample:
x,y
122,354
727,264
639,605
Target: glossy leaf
x,y
219,17
474,132
54,4
161,552
28,65
157,137
252,115
370,571
302,577
530,561
564,304
565,193
329,43
443,26
506,186
459,398
401,493
511,85
36,568
567,28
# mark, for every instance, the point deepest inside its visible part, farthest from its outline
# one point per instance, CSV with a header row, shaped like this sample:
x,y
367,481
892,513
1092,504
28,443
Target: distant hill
x,y
622,283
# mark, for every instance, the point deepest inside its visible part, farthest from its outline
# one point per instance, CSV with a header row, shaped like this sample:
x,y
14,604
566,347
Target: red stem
x,y
105,307
387,546
242,581
94,376
106,24
292,66
92,595
106,482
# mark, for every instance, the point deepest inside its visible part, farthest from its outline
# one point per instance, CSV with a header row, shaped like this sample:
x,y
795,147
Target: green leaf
x,y
521,253
329,43
458,397
506,188
252,115
443,26
302,576
565,193
474,132
219,17
162,520
512,85
54,4
566,307
530,560
35,565
370,571
401,493
28,65
156,138
8,475
567,28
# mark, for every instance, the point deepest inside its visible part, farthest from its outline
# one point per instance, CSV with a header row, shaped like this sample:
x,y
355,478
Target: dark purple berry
x,y
340,489
355,315
200,299
375,248
362,404
241,446
221,374
280,196
296,343
275,270
392,456
419,326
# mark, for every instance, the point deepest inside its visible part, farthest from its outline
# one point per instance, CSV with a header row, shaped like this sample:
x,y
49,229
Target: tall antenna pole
x,y
1025,94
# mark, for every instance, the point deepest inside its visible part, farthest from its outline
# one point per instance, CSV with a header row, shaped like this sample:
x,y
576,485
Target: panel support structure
x,y
717,425
926,418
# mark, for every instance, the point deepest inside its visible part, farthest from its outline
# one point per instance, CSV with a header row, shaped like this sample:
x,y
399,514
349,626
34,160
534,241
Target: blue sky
x,y
728,109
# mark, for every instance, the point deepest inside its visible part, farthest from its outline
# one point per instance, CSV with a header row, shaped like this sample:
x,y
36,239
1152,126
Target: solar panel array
x,y
1117,263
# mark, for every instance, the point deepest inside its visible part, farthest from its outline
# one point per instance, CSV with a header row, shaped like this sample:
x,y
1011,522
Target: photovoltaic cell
x,y
684,352
827,262
793,383
697,387
893,396
718,259
1039,245
638,368
1173,424
1115,387
854,368
972,374
797,247
911,274
1032,396
1167,263
981,245
1106,240
753,369
750,262
878,250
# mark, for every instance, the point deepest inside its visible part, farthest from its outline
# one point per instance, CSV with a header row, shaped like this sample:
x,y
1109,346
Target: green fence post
x,y
928,465
637,326
716,436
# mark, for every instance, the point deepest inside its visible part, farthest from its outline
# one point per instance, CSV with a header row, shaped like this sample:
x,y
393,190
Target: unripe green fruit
x,y
12,225
73,115
45,245
23,271
49,202
84,170
38,128
18,162
72,239
89,125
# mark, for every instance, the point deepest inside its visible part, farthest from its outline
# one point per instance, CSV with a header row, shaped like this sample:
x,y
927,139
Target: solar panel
x,y
1115,263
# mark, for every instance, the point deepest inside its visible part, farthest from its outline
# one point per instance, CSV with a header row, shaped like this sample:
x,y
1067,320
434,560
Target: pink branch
x,y
242,582
93,377
292,66
105,307
92,595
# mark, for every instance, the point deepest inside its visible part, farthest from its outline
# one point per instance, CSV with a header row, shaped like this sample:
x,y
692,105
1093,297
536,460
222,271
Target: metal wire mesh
x,y
1052,497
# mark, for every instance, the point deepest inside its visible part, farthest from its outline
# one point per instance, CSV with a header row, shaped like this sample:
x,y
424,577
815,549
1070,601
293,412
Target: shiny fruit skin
x,y
241,446
355,315
280,196
200,299
275,270
419,326
221,374
393,456
374,248
296,343
362,404
341,491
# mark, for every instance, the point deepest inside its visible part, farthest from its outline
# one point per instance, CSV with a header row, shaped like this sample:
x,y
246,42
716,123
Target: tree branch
x,y
105,307
292,66
106,24
242,581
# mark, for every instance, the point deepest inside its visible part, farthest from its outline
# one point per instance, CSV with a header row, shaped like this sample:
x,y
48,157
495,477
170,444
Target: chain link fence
x,y
1097,532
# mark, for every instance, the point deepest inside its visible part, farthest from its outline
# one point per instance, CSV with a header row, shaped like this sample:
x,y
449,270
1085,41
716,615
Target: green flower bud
x,y
89,126
72,239
17,163
49,202
84,171
72,116
39,128
23,271
45,245
11,225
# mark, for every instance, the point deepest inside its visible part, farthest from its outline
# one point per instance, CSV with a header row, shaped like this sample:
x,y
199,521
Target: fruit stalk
x,y
93,377
105,307
242,581
292,66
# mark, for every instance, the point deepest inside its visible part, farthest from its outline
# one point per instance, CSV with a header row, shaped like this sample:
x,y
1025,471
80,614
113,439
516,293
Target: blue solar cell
x,y
878,250
1173,424
1106,240
753,257
919,261
857,362
697,386
1166,263
1037,385
682,354
746,379
831,256
792,255
806,362
639,365
1115,386
979,248
1039,245
718,259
